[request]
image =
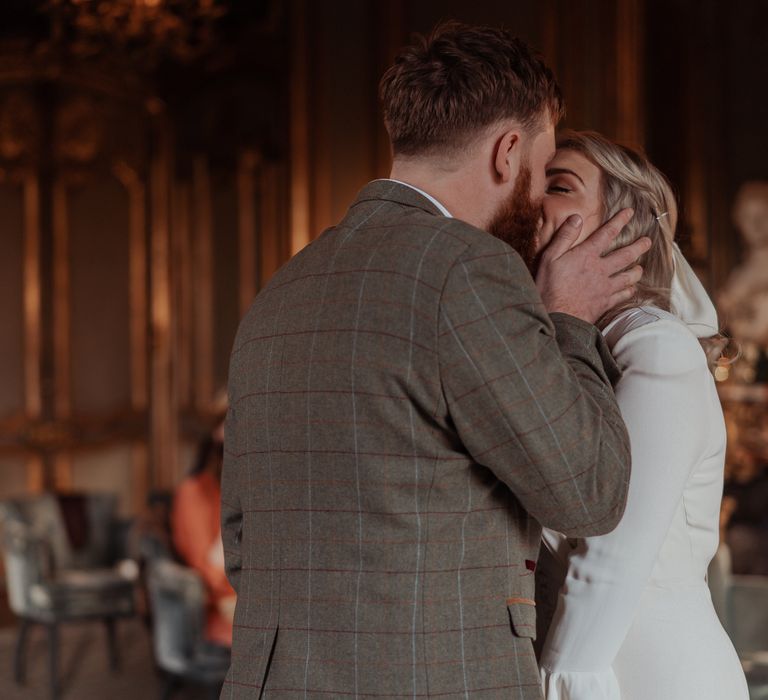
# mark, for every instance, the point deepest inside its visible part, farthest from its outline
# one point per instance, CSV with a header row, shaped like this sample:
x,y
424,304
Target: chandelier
x,y
147,31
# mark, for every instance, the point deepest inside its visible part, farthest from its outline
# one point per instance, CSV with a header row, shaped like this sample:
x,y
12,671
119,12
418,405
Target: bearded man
x,y
407,409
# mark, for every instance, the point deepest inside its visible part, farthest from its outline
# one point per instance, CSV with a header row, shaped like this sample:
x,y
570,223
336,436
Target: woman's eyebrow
x,y
563,171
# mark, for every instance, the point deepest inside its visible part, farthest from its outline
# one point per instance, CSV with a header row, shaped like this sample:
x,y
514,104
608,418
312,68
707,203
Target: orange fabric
x,y
195,524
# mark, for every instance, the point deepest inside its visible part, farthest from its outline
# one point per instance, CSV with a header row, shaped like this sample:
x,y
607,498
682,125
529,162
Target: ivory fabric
x,y
403,415
634,618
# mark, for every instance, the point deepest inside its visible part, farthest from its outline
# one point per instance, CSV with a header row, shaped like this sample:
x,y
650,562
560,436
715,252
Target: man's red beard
x,y
517,219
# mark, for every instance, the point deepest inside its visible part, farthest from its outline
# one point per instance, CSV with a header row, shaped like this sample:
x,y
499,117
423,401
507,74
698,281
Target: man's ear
x,y
507,155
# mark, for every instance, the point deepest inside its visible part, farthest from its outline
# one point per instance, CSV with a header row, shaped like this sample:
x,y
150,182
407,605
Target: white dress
x,y
634,618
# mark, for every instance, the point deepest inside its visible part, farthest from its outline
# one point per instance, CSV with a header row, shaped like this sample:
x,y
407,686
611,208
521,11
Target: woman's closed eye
x,y
558,189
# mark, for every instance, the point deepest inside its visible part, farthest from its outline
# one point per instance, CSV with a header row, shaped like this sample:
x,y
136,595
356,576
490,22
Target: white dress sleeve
x,y
664,396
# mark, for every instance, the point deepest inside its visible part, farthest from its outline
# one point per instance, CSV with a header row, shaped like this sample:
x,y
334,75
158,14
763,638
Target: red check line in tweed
x,y
292,691
364,365
392,513
372,247
487,256
300,392
291,422
378,486
332,331
352,271
383,572
550,422
481,421
387,602
516,372
533,302
388,664
353,453
319,539
377,632
484,317
493,348
422,225
447,369
395,514
556,453
461,458
354,301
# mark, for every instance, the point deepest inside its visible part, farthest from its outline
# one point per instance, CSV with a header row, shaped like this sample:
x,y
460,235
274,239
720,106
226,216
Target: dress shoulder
x,y
653,340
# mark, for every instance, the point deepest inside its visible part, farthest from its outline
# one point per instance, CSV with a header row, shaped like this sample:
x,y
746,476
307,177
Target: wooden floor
x,y
84,668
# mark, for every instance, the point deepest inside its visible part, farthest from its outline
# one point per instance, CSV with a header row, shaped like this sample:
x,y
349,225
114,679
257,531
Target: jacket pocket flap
x,y
522,617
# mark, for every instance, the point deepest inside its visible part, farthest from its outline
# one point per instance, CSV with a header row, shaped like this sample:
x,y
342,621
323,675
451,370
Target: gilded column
x,y
630,58
163,414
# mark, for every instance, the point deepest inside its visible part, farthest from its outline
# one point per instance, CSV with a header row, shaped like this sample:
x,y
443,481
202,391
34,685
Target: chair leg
x,y
20,653
170,684
114,657
53,660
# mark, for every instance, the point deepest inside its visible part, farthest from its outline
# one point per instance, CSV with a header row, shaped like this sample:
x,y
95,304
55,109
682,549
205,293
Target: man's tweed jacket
x,y
404,416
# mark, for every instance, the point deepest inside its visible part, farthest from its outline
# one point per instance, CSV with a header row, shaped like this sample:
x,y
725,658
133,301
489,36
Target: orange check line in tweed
x,y
523,601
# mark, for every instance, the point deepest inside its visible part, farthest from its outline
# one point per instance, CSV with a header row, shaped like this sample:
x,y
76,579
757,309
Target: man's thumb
x,y
566,236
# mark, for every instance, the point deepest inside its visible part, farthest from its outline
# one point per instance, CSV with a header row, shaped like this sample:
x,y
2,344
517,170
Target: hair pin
x,y
661,216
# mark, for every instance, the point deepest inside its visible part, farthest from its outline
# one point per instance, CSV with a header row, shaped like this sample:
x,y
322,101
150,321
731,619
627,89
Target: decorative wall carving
x,y
19,126
79,129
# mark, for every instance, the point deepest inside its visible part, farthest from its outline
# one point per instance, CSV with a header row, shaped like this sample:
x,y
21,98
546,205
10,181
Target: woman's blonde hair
x,y
628,179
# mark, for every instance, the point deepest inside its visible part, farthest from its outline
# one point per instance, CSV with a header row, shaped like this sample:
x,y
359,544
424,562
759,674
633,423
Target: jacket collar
x,y
391,191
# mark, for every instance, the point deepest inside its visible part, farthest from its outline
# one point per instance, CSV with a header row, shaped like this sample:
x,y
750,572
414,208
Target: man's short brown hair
x,y
444,89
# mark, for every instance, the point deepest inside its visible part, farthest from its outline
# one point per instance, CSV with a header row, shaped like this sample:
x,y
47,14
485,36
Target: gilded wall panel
x,y
12,298
99,260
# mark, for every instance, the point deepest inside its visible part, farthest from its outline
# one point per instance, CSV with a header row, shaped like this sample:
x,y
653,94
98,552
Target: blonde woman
x,y
633,619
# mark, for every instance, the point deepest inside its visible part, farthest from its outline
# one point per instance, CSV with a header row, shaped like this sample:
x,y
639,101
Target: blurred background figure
x,y
196,532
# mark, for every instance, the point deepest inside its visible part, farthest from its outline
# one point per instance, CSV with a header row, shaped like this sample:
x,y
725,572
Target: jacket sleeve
x,y
231,507
665,378
530,396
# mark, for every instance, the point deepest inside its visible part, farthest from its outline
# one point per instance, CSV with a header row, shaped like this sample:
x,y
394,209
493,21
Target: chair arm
x,y
34,550
28,563
84,593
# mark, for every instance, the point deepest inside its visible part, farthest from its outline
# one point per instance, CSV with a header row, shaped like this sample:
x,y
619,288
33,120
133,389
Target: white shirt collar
x,y
442,209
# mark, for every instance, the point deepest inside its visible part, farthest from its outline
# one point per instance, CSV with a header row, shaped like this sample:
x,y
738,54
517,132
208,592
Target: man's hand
x,y
578,280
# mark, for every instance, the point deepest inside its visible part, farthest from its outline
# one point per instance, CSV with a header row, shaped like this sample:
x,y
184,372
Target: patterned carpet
x,y
84,667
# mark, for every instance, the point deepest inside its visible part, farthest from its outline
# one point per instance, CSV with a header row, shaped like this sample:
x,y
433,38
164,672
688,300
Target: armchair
x,y
178,598
51,582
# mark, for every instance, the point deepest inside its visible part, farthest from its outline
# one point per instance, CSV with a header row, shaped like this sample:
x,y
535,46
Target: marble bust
x,y
743,302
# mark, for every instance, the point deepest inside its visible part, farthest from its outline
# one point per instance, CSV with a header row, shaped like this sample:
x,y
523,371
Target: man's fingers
x,y
564,237
606,234
624,257
628,278
620,297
